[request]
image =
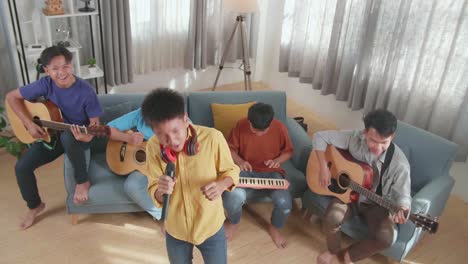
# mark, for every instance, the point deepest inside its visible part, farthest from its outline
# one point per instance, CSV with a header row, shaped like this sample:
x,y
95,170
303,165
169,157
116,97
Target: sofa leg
x,y
295,206
75,219
309,216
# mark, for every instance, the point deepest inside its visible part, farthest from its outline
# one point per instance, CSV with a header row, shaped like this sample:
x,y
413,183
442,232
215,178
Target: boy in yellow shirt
x,y
204,169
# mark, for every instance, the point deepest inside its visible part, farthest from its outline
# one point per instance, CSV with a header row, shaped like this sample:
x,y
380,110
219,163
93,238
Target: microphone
x,y
170,170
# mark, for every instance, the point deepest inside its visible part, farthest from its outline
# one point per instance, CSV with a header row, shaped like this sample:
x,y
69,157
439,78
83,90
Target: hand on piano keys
x,y
263,183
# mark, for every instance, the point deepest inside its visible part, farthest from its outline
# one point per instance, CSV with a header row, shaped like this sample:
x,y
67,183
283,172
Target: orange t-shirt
x,y
258,149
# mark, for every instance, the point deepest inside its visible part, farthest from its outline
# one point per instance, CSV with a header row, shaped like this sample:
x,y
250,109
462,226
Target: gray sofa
x,y
430,157
107,195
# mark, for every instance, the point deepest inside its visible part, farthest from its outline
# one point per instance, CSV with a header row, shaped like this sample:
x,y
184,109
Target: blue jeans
x,y
136,187
282,201
213,250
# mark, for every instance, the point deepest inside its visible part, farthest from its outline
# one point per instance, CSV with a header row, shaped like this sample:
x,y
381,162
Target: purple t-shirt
x,y
77,103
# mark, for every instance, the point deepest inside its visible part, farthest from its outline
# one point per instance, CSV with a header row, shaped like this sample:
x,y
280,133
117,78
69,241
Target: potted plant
x,y
92,65
7,139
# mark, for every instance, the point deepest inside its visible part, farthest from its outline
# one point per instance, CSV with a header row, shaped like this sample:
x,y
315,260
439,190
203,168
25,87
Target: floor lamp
x,y
243,7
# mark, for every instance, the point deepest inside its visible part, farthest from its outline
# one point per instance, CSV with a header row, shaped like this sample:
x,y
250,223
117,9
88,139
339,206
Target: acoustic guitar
x,y
124,158
46,115
351,178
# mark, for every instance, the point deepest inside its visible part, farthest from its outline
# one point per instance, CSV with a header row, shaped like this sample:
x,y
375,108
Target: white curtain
x,y
408,56
182,33
8,76
159,33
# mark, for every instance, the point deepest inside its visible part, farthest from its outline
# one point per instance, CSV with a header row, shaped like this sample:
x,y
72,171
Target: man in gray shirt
x,y
369,145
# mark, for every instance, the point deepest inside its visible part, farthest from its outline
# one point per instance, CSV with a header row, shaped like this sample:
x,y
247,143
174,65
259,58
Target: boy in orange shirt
x,y
259,144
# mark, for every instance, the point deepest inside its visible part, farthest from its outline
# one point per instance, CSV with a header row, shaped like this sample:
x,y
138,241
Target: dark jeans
x,y
377,219
38,155
213,249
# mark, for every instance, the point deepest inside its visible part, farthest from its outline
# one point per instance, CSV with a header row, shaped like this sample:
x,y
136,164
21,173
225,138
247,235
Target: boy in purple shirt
x,y
79,105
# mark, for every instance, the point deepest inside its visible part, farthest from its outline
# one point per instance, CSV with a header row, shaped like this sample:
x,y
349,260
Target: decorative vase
x,y
92,69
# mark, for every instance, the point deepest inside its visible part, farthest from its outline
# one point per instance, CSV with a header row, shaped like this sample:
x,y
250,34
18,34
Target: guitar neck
x,y
373,197
427,223
61,126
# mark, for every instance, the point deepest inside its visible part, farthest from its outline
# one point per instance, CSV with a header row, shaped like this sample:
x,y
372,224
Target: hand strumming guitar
x,y
34,130
325,176
135,138
324,171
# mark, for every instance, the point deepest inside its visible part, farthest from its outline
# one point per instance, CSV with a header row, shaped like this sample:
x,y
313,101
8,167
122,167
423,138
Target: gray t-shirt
x,y
396,181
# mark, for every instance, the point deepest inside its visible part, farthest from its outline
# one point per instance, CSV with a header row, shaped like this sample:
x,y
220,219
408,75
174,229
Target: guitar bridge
x,y
123,148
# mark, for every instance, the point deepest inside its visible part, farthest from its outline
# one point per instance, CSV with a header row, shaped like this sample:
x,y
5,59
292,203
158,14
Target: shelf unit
x,y
28,58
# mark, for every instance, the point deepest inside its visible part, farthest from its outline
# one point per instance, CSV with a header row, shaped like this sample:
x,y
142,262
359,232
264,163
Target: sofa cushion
x,y
429,155
114,111
407,151
199,103
225,116
106,194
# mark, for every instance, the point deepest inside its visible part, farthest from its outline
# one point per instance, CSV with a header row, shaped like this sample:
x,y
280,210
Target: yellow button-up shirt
x,y
191,216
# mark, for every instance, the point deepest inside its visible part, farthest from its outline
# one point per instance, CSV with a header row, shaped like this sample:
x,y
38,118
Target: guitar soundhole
x,y
335,187
140,156
37,121
344,180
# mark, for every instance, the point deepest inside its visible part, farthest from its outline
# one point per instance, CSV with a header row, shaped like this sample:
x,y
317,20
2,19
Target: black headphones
x,y
191,147
40,68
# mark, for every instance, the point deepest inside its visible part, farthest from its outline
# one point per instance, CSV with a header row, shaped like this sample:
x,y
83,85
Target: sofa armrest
x,y
431,199
301,142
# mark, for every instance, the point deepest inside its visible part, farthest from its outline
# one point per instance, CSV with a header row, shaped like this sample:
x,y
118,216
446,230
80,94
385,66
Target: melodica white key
x,y
263,183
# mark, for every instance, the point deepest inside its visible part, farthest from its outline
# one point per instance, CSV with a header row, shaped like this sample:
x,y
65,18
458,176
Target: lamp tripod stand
x,y
240,22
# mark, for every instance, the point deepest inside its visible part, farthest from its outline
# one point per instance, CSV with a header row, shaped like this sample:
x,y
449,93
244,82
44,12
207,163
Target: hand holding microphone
x,y
166,187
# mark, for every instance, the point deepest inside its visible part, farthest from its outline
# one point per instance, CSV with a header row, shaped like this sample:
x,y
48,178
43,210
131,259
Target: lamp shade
x,y
241,6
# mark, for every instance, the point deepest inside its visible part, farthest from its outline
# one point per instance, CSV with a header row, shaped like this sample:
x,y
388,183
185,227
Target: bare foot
x,y
326,258
30,216
277,237
81,193
347,258
230,229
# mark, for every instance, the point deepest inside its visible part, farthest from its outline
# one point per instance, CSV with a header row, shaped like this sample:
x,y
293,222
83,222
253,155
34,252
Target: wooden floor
x,y
134,237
